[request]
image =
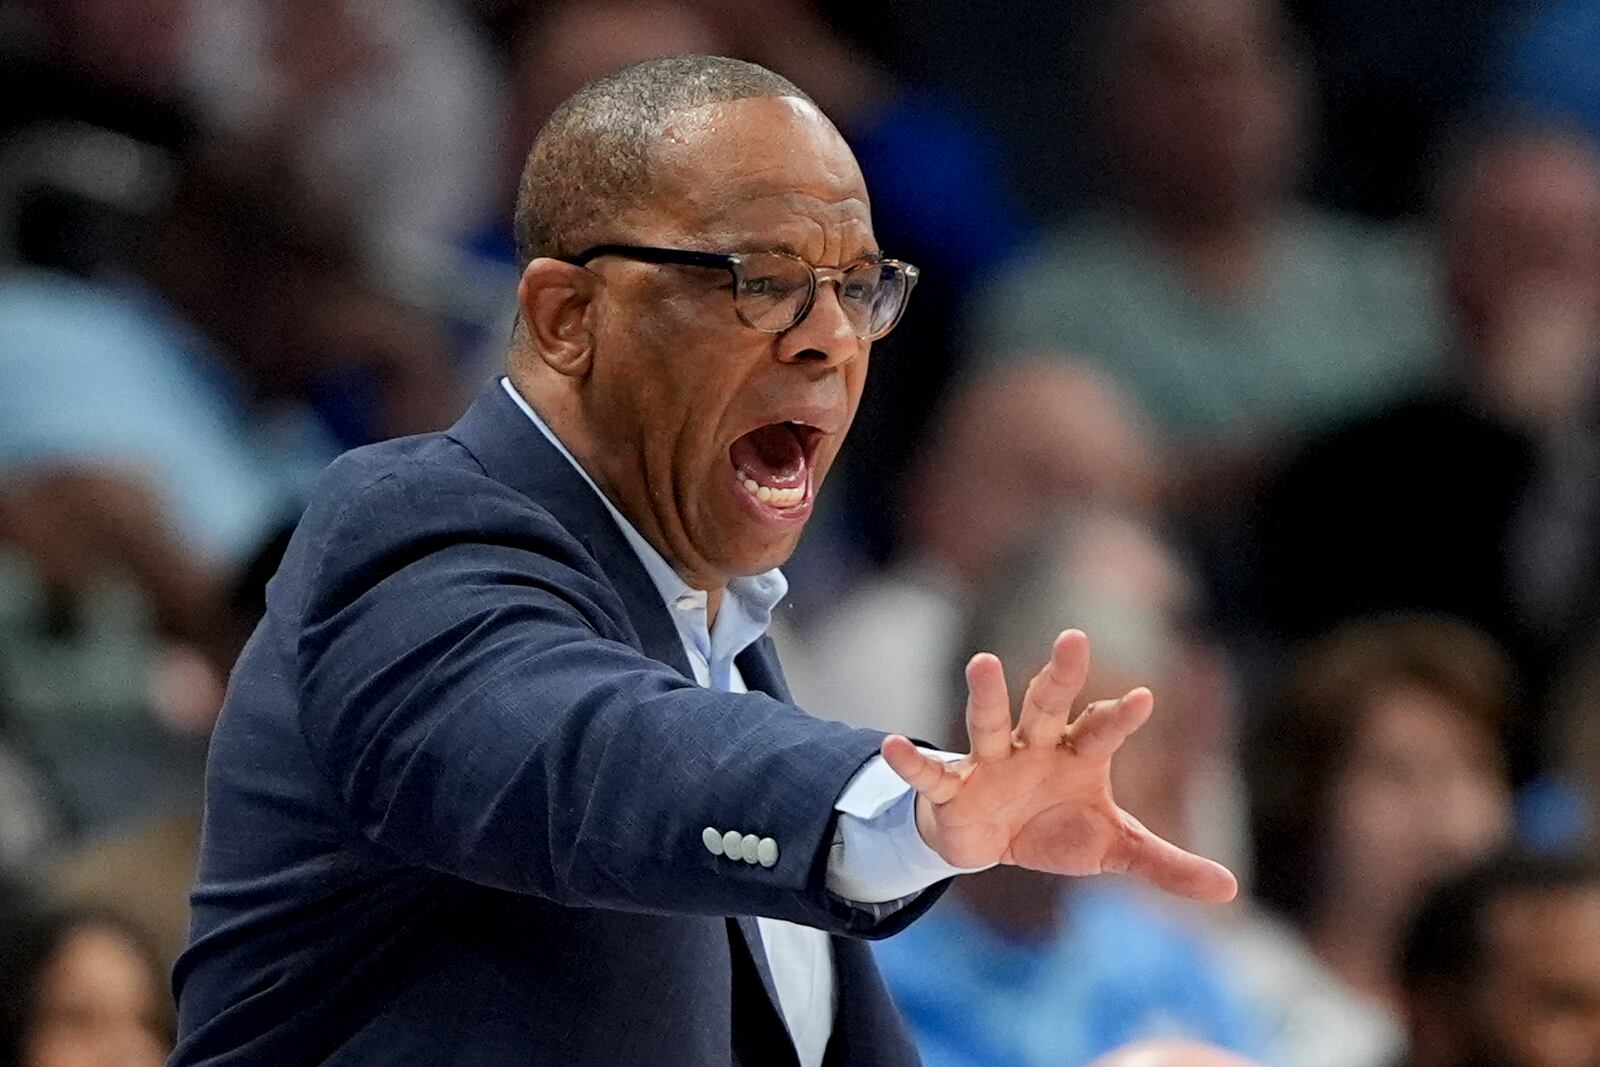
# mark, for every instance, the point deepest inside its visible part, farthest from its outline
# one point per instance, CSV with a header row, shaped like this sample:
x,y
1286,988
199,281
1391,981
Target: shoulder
x,y
428,481
419,503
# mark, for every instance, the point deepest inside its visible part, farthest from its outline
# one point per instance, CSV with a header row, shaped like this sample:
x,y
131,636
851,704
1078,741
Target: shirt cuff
x,y
878,854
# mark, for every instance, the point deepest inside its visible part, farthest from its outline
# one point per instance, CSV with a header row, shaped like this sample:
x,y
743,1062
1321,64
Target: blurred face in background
x,y
98,1006
1538,1002
1018,446
1521,237
1423,794
1206,107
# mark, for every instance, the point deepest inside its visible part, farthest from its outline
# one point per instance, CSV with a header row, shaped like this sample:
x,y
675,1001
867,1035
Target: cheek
x,y
1372,821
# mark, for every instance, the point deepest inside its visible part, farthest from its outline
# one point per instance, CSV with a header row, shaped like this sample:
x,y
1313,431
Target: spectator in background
x,y
1014,448
1012,970
1502,967
1480,499
77,990
155,438
178,397
394,99
1374,771
1237,316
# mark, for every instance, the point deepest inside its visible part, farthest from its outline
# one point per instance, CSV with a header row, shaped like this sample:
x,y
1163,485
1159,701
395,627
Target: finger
x,y
1164,865
929,776
988,708
1048,703
1106,724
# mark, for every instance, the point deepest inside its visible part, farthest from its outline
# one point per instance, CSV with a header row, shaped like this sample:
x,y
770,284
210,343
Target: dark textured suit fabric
x,y
456,796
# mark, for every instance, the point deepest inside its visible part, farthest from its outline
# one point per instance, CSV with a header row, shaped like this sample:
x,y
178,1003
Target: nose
x,y
824,336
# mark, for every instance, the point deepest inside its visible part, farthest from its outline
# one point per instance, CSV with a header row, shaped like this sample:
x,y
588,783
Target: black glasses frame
x,y
733,263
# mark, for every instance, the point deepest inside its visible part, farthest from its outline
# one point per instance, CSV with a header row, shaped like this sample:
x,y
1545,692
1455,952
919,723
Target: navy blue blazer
x,y
456,796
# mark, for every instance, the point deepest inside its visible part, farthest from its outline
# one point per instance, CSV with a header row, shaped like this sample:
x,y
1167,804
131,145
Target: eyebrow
x,y
785,247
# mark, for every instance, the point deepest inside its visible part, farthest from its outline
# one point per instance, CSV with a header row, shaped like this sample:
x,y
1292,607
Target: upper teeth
x,y
782,498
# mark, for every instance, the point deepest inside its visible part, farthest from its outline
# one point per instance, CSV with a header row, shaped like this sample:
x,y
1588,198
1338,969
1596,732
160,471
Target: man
x,y
490,787
1235,315
1502,967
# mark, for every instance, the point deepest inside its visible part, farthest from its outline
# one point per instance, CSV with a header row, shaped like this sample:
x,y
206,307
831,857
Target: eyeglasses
x,y
772,291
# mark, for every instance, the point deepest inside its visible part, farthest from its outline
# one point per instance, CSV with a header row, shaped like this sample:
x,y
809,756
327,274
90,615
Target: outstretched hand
x,y
1039,795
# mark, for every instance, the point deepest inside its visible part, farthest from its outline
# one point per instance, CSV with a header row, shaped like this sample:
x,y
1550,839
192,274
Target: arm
x,y
470,692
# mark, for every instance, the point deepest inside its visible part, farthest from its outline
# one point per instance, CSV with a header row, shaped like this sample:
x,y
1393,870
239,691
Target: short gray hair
x,y
592,159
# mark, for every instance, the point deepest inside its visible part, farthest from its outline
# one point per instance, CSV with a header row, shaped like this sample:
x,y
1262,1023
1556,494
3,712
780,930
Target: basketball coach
x,y
508,774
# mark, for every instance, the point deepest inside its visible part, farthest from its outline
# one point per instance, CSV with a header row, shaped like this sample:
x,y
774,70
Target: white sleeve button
x,y
748,847
712,839
767,852
732,844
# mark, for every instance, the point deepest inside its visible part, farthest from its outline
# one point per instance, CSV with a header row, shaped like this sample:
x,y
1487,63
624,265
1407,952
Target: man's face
x,y
1539,1003
691,405
1523,233
1422,795
1208,107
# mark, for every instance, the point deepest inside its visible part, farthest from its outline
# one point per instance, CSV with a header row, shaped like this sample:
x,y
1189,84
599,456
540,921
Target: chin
x,y
760,560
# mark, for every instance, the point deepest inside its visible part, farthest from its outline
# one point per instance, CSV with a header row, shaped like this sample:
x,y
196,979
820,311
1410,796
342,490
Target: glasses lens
x,y
771,290
873,296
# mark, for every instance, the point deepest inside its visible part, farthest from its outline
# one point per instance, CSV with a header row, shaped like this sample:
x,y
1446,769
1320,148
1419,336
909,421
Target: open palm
x,y
1038,795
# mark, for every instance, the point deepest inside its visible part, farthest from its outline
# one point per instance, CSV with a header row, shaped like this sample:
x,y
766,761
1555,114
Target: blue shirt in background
x,y
1119,970
106,374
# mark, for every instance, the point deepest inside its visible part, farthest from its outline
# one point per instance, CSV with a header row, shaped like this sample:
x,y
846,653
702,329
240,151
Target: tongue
x,y
772,456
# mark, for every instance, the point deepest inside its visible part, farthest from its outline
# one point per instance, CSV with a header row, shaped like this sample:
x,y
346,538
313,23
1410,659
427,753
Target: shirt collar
x,y
755,597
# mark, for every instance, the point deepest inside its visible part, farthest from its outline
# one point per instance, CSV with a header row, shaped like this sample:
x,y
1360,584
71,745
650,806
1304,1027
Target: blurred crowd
x,y
1260,339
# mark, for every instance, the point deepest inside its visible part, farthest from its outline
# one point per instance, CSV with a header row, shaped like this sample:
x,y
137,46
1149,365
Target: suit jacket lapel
x,y
758,666
867,1027
513,452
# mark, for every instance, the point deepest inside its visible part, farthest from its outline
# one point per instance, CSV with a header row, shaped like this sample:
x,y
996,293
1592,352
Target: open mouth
x,y
773,463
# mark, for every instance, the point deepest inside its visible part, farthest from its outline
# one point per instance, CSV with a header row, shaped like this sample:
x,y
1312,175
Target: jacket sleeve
x,y
470,690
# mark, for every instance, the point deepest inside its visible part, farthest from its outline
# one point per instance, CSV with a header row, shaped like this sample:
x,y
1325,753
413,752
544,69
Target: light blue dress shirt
x,y
878,855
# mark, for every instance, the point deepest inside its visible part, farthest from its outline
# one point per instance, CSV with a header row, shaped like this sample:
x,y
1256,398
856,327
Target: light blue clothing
x,y
106,374
1118,971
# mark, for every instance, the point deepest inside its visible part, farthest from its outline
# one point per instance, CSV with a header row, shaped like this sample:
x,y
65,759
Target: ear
x,y
555,299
